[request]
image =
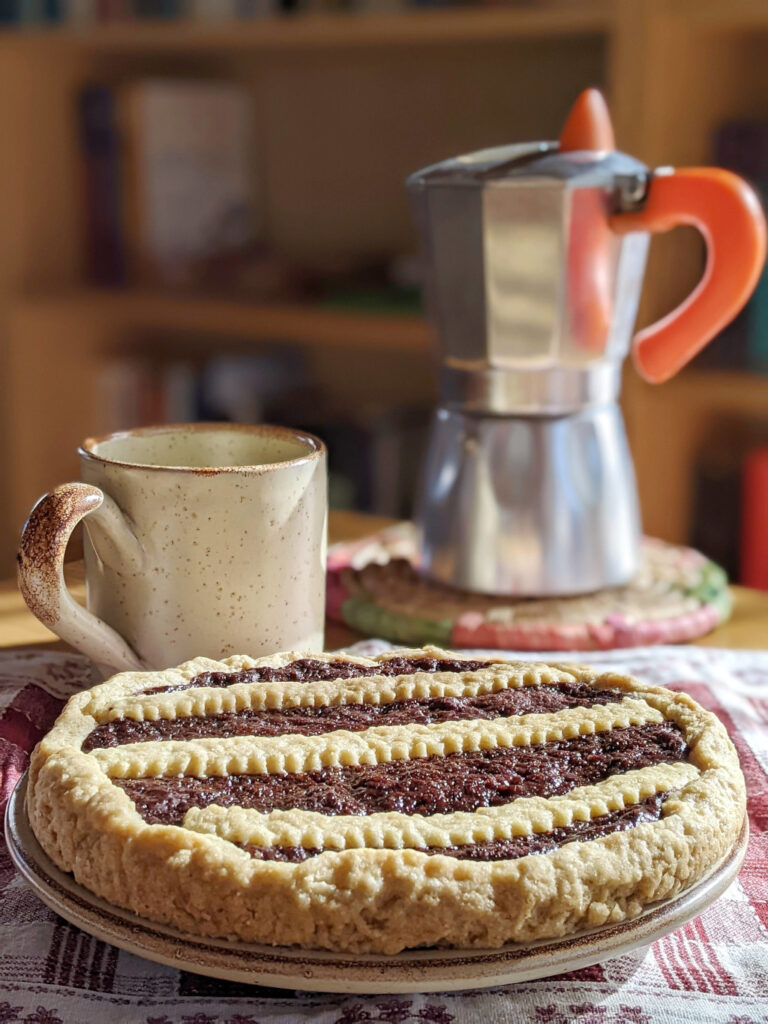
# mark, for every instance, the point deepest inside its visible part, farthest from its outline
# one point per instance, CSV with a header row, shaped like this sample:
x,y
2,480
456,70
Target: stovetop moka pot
x,y
535,255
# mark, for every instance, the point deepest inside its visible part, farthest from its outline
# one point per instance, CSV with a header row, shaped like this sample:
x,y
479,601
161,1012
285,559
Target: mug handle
x,y
40,560
727,212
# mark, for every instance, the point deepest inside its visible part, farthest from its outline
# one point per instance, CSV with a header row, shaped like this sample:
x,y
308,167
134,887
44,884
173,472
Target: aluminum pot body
x,y
534,297
538,505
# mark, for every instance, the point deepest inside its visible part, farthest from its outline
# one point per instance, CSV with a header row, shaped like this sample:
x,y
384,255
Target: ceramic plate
x,y
425,970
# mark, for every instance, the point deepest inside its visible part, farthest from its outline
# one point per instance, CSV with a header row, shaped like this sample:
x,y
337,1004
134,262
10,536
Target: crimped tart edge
x,y
376,900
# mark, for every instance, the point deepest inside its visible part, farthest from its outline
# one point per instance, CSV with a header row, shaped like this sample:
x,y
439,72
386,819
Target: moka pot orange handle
x,y
727,212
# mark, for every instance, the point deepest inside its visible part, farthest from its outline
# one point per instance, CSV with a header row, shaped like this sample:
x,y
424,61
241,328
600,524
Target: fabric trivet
x,y
711,971
374,587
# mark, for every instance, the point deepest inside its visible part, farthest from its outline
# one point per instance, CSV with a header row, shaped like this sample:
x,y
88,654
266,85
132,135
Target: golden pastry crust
x,y
372,888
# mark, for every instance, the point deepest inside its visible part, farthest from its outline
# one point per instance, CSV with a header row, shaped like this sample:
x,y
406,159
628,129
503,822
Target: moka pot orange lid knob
x,y
588,125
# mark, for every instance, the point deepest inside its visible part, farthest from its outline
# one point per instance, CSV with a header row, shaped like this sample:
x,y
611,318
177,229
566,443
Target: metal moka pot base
x,y
530,506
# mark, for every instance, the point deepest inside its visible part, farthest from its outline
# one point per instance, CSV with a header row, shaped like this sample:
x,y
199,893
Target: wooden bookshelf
x,y
668,427
721,16
341,104
247,321
435,27
58,343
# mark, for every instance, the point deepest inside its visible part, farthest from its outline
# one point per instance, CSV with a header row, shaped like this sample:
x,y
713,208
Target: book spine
x,y
757,315
254,8
101,158
113,10
158,8
120,394
742,146
133,220
79,12
30,12
180,392
213,10
9,12
753,553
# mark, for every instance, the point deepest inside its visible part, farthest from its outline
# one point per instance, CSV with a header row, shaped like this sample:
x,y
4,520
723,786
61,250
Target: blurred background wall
x,y
204,217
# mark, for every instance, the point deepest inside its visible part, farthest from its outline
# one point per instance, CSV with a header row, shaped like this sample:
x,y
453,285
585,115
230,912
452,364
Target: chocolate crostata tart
x,y
413,799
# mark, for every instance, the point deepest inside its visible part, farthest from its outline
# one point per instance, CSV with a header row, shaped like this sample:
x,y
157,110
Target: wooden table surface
x,y
747,628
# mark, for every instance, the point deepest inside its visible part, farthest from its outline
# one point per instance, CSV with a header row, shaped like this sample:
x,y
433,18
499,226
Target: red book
x,y
754,520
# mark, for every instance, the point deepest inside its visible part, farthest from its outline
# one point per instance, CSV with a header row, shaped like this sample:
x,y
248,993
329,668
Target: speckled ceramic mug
x,y
204,539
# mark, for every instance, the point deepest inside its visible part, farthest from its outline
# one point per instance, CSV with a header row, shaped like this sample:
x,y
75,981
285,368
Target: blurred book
x,y
730,497
374,454
85,13
79,12
742,147
246,388
380,6
753,548
30,12
113,10
171,180
100,143
211,10
127,394
189,175
9,12
152,8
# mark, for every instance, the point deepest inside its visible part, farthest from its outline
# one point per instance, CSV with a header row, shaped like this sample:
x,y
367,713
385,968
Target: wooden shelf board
x,y
736,15
238,319
723,381
320,31
670,425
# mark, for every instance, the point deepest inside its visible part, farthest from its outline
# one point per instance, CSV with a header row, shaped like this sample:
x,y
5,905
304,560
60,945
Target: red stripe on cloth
x,y
754,774
39,706
13,764
17,729
54,952
593,973
754,871
29,716
96,966
682,973
109,970
688,954
82,960
67,961
23,723
103,968
759,705
708,960
661,952
661,962
7,870
761,909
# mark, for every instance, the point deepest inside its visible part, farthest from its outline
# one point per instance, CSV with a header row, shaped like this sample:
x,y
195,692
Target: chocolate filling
x,y
312,670
312,721
507,849
425,785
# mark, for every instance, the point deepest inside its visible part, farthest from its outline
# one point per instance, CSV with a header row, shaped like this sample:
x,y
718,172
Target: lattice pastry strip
x,y
256,696
293,753
391,830
129,684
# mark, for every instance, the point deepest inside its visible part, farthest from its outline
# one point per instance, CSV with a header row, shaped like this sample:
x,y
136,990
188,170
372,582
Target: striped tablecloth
x,y
712,971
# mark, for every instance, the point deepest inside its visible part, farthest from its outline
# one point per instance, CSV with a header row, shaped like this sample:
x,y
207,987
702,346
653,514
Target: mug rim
x,y
316,448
